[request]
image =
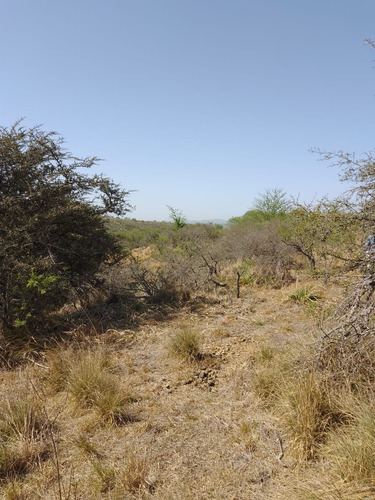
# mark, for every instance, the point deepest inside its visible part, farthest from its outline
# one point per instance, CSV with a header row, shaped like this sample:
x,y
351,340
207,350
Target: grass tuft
x,y
93,385
304,295
309,413
131,478
269,373
185,344
22,444
15,491
88,376
351,447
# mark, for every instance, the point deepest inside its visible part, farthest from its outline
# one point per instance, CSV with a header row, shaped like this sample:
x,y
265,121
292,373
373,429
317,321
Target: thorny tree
x,y
349,344
53,237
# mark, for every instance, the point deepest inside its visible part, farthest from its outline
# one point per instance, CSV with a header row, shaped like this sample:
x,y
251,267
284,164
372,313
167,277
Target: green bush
x,y
53,238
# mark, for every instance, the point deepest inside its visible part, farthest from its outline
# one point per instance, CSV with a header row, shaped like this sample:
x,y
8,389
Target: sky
x,y
201,105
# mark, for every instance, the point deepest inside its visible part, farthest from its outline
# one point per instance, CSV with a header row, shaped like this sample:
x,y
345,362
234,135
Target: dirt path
x,y
202,431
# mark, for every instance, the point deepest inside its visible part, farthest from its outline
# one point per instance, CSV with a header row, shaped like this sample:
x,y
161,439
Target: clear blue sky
x,y
197,104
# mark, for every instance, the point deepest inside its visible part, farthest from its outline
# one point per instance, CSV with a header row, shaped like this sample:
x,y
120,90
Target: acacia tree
x,y
272,204
53,238
323,231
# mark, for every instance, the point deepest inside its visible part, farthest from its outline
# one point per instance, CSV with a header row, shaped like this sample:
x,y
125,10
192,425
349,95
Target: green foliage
x,y
53,238
248,218
35,292
246,272
304,295
272,204
321,231
178,218
133,234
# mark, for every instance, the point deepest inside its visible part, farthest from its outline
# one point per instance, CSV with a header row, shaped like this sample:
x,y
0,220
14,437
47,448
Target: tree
x,y
272,204
178,218
53,237
248,218
324,231
360,173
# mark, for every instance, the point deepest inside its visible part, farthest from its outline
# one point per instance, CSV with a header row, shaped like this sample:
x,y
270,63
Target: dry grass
x,y
22,435
310,413
185,344
351,448
231,422
87,375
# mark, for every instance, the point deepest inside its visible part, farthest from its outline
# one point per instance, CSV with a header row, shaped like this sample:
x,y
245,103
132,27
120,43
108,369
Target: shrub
x,y
165,285
260,246
53,239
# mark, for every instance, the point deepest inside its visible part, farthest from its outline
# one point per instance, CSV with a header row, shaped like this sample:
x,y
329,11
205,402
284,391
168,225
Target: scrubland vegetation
x,y
181,361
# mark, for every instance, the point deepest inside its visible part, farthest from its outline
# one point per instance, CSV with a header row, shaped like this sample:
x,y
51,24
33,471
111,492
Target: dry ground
x,y
197,429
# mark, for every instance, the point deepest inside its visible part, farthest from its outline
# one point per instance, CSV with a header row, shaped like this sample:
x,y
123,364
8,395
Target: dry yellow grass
x,y
201,430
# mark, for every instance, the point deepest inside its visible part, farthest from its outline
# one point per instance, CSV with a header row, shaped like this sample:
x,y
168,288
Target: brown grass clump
x,y
59,361
350,448
185,344
130,478
22,435
309,412
92,385
88,377
270,373
15,491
